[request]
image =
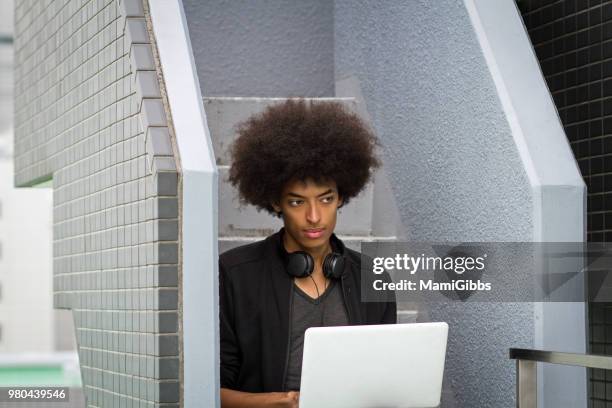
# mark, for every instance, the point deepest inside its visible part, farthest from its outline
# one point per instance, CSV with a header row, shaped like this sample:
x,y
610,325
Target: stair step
x,y
352,242
407,316
224,113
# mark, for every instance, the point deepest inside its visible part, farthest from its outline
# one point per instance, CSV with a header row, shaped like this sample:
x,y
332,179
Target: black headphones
x,y
300,264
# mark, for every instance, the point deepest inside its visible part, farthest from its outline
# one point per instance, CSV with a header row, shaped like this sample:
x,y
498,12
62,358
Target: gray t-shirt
x,y
327,310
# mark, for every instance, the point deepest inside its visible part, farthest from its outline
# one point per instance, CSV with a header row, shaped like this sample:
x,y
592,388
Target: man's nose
x,y
313,215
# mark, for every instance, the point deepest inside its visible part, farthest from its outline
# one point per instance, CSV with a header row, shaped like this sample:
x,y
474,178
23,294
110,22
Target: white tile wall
x,y
80,116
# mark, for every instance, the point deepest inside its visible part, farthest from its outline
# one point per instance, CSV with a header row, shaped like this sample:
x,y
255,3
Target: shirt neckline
x,y
312,300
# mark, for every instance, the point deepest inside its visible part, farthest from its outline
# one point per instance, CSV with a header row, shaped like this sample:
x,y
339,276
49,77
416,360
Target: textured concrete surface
x,y
451,161
263,48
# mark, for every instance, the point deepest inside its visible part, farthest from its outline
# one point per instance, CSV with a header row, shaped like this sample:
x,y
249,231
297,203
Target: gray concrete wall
x,y
452,162
263,48
89,115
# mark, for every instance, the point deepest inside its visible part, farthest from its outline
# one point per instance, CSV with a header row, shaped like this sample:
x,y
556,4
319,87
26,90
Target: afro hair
x,y
300,140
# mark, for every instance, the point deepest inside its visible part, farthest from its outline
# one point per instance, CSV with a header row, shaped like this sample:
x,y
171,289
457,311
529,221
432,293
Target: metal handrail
x,y
556,357
526,373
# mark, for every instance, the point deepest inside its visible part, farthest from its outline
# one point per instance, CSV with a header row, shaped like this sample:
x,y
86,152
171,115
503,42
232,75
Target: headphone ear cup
x,y
333,265
300,264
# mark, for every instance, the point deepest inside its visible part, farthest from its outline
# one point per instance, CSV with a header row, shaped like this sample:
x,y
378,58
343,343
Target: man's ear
x,y
340,202
276,208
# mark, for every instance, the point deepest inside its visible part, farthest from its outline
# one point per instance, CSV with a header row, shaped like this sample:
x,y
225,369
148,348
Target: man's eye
x,y
294,203
328,199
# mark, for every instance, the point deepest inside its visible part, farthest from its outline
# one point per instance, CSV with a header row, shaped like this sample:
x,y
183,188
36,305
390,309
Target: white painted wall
x,y
26,302
27,318
198,207
558,190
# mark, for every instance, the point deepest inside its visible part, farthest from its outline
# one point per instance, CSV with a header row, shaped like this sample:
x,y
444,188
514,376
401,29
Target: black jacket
x,y
255,295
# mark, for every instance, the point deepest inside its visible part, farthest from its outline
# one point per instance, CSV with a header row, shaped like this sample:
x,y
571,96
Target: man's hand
x,y
291,400
239,399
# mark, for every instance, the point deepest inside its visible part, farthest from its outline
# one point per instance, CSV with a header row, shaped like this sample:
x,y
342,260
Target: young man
x,y
300,161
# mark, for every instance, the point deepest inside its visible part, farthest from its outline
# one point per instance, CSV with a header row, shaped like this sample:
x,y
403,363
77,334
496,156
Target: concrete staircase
x,y
368,217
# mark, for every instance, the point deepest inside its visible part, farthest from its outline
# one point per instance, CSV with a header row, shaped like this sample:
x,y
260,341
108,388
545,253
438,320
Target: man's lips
x,y
314,232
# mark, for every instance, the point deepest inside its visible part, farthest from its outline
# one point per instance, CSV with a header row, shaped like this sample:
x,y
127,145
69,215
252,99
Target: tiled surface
x,y
80,117
573,42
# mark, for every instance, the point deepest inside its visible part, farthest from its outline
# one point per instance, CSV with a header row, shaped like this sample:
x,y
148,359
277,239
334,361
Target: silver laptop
x,y
375,366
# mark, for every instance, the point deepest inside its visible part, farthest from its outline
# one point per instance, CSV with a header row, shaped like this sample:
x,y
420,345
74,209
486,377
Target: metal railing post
x,y
526,384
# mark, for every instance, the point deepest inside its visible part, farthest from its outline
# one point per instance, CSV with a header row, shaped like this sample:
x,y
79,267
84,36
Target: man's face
x,y
309,213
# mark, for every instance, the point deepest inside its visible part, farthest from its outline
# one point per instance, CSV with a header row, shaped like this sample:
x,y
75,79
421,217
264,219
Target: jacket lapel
x,y
349,284
276,318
